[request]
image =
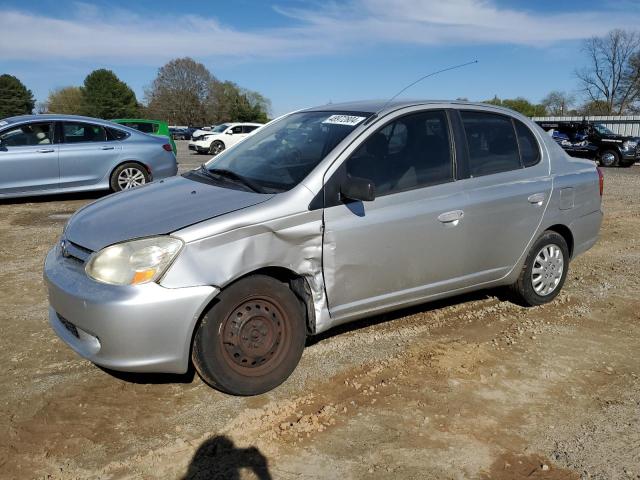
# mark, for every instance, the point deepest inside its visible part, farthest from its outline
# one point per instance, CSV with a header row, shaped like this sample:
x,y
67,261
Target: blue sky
x,y
304,53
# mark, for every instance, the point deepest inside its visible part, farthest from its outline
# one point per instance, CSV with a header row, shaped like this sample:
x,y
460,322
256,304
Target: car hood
x,y
155,209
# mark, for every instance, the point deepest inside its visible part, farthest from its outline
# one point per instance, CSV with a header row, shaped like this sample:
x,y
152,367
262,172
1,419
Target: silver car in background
x,y
45,154
321,217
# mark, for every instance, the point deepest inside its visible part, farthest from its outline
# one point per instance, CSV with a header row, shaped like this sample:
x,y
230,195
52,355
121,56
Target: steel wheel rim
x,y
130,178
255,336
548,267
608,158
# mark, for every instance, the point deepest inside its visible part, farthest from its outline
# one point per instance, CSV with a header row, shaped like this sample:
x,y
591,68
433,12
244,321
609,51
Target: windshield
x,y
277,157
220,128
602,130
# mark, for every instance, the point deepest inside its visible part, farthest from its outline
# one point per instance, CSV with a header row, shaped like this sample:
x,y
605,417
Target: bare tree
x,y
180,93
558,103
610,77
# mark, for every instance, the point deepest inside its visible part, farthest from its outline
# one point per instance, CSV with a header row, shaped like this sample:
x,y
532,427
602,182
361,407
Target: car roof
x,y
235,124
385,106
54,117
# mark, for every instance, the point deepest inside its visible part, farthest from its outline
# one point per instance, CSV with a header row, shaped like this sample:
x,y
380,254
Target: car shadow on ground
x,y
151,378
219,458
500,293
61,197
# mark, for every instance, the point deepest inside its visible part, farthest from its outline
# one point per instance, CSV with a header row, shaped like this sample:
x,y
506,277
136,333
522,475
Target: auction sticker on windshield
x,y
349,120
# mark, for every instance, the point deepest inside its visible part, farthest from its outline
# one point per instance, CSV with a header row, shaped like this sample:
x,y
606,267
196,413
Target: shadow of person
x,y
218,458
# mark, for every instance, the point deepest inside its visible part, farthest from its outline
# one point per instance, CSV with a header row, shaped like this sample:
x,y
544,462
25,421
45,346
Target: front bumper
x,y
198,148
144,328
631,156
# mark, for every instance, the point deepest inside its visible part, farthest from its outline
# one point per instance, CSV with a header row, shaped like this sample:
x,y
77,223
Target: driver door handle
x,y
452,218
108,148
537,198
46,150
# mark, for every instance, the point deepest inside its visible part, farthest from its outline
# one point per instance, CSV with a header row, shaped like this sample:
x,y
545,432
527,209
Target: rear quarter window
x,y
529,148
142,127
115,134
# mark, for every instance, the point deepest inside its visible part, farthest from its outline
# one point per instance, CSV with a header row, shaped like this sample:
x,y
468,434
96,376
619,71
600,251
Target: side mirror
x,y
356,188
229,132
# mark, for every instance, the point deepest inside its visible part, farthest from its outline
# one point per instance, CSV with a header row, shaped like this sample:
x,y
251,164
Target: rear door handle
x,y
108,148
46,150
536,198
452,218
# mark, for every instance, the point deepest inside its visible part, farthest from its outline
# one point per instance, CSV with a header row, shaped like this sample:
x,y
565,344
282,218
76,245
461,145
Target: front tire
x,y
216,147
544,271
252,339
127,176
609,158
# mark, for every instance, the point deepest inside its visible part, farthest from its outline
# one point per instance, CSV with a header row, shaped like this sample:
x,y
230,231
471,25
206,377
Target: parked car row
x,y
594,141
182,133
319,218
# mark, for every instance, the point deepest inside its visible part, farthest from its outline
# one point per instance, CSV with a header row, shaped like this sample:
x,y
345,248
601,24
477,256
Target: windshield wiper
x,y
223,172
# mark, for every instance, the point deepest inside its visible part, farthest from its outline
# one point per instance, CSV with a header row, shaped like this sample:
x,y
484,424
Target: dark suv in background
x,y
595,141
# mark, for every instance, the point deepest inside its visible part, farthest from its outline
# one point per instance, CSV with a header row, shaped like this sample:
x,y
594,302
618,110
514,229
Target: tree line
x,y
185,92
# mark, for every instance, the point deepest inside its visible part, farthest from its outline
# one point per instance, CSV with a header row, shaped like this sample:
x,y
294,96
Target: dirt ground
x,y
473,387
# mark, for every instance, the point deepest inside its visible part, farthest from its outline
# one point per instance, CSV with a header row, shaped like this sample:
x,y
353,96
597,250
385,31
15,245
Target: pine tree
x,y
15,98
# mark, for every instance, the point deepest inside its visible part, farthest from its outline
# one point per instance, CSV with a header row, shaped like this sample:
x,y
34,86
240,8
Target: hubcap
x,y
608,158
254,336
547,269
130,177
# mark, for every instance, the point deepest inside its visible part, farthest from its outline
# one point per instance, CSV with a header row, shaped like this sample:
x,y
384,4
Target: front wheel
x,y
609,158
216,147
544,271
251,340
127,176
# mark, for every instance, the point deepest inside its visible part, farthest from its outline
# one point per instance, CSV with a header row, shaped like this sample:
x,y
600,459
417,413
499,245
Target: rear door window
x,y
491,143
26,135
248,128
75,132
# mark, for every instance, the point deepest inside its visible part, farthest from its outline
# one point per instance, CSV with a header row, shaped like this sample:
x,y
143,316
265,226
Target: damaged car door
x,y
406,244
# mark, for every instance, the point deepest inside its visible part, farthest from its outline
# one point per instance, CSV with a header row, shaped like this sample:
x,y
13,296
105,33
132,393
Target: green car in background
x,y
153,127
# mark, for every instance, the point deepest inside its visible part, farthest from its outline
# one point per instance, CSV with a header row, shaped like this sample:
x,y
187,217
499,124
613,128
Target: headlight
x,y
134,262
629,145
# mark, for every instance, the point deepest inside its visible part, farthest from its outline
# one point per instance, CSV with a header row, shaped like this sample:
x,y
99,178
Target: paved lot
x,y
473,387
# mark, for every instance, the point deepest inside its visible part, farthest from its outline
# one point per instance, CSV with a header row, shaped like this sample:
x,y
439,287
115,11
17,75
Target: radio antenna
x,y
421,79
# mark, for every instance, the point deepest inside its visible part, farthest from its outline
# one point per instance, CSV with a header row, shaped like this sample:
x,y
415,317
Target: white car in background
x,y
222,136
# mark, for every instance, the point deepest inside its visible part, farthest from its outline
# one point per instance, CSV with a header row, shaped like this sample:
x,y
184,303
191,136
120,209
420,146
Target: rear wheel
x,y
609,158
544,271
252,339
216,147
127,176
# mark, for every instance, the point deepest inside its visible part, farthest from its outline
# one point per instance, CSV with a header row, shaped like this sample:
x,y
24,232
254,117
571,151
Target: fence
x,y
628,125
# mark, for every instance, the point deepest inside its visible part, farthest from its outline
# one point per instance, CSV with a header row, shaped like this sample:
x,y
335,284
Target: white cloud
x,y
121,36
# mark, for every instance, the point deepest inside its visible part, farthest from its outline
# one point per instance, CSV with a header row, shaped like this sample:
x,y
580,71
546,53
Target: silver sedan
x,y
45,154
321,217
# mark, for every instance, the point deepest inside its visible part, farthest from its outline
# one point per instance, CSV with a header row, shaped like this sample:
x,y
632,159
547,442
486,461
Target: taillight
x,y
167,147
601,177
